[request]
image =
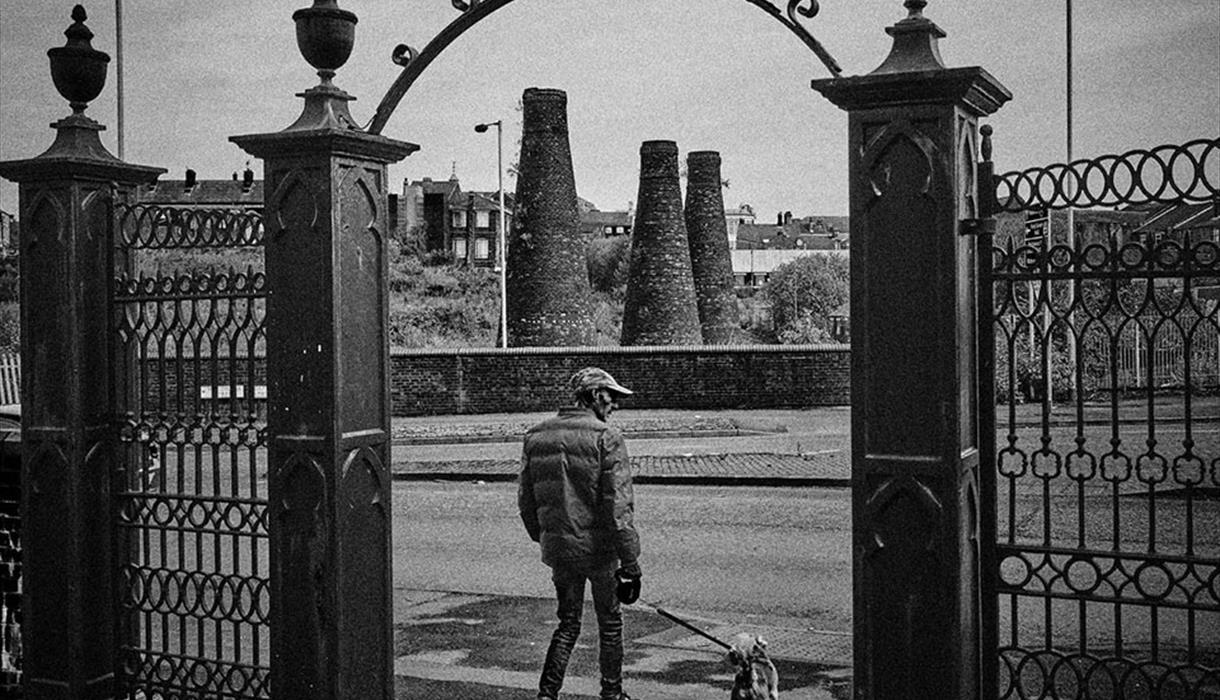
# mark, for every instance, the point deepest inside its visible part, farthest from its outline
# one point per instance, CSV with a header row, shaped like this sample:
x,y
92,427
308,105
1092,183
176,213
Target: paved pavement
x,y
808,447
776,447
470,646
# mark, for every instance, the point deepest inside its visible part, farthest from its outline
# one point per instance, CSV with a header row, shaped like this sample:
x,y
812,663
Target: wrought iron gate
x,y
188,335
1106,571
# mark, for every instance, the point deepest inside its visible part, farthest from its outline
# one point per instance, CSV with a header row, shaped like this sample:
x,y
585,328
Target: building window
x,y
459,219
459,248
482,219
482,248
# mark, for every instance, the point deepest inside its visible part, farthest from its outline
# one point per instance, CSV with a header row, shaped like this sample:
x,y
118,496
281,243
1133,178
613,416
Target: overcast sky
x,y
709,74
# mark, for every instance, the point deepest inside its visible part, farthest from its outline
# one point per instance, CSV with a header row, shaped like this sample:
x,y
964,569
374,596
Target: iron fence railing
x,y
189,304
1105,557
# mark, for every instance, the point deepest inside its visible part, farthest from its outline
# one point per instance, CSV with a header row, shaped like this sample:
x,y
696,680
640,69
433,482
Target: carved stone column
x,y
328,387
915,430
68,440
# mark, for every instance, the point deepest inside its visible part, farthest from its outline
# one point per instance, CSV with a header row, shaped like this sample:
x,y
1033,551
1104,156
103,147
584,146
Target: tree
x,y
803,293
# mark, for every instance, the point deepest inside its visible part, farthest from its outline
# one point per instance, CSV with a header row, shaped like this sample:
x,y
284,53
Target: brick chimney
x,y
661,307
711,262
549,299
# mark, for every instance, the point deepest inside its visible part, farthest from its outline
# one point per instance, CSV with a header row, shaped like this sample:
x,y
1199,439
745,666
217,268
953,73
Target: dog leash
x,y
670,616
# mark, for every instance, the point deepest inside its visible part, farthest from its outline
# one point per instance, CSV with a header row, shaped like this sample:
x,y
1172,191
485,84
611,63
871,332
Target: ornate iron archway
x,y
414,62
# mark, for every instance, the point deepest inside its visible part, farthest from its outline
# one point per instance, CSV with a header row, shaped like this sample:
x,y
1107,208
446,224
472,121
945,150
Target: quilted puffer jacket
x,y
574,492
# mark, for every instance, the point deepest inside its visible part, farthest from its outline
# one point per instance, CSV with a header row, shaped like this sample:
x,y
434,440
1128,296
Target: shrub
x,y
608,261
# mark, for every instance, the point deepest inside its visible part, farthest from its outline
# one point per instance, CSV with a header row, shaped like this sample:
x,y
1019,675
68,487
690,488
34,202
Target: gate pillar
x,y
328,385
69,446
918,613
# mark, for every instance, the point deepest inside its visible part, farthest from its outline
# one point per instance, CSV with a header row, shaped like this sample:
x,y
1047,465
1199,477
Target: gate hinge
x,y
973,227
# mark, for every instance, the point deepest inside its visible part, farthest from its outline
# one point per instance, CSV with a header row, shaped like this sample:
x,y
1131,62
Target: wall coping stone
x,y
612,350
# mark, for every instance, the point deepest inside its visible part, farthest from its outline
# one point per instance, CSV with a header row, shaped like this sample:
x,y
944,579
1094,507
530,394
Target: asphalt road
x,y
745,553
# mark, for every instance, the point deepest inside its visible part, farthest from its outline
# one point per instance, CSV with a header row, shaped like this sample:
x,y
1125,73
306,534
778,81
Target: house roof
x,y
1177,217
828,224
452,190
485,201
793,235
430,186
203,193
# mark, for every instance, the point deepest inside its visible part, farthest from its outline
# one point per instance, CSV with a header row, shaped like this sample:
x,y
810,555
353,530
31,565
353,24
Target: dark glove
x,y
627,580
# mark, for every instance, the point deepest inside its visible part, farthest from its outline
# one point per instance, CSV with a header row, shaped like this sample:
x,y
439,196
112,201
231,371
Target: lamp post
x,y
501,261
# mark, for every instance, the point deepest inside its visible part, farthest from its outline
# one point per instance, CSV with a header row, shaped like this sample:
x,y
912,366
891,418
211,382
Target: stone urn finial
x,y
77,69
915,7
325,36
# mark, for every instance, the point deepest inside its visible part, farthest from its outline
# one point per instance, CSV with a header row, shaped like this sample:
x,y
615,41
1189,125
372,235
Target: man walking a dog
x,y
576,501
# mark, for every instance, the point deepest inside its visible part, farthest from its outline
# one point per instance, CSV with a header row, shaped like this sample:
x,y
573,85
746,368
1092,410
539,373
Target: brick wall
x,y
464,381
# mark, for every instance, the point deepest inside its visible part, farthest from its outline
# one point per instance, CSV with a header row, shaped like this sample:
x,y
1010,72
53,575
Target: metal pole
x,y
118,59
1071,219
1069,81
501,243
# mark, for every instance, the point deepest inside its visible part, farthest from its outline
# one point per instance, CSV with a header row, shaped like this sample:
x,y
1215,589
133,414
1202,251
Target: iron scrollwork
x,y
414,62
790,20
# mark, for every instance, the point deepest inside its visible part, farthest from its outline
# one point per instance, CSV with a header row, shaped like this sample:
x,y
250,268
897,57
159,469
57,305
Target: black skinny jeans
x,y
570,591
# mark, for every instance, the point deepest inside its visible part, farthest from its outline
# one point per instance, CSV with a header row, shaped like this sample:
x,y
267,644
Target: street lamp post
x,y
501,261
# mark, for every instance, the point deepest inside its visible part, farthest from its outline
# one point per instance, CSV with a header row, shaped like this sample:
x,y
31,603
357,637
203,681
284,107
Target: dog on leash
x,y
756,678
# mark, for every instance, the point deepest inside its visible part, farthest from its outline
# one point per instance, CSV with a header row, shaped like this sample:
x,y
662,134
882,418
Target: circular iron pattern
x,y
1052,673
1015,571
1082,575
1189,172
150,227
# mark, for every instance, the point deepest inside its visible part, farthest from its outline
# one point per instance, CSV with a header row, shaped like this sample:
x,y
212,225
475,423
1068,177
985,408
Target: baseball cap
x,y
596,378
